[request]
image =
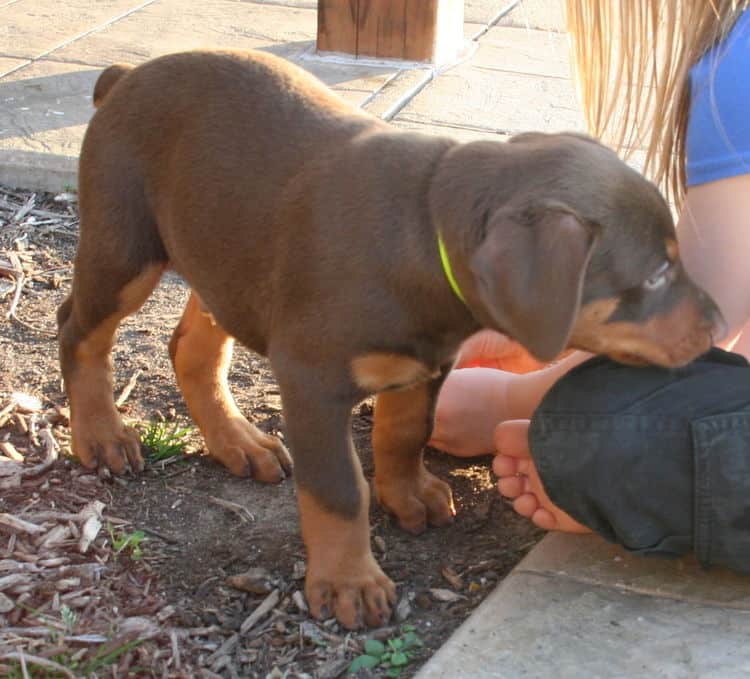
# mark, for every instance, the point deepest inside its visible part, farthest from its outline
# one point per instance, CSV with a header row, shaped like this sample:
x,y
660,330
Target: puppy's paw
x,y
107,442
416,501
358,594
246,451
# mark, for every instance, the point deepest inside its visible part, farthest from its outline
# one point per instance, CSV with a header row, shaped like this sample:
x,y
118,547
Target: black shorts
x,y
656,460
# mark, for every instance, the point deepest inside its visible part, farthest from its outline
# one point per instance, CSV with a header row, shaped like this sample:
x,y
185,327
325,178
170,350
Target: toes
x,y
439,502
377,608
511,486
544,519
320,601
412,516
118,451
512,438
526,505
349,608
88,456
246,451
113,457
355,603
504,465
417,501
282,454
132,449
266,468
235,460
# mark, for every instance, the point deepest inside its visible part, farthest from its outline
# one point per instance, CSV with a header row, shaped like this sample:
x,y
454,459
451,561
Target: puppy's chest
x,y
378,371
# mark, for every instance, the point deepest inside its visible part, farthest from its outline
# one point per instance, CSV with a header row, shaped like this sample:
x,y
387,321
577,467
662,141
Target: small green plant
x,y
69,618
392,656
163,441
122,541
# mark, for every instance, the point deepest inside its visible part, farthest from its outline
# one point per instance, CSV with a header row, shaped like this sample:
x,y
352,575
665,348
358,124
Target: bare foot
x,y
490,349
519,480
469,405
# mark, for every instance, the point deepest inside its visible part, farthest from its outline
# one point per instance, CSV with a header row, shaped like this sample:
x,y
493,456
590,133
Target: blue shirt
x,y
718,130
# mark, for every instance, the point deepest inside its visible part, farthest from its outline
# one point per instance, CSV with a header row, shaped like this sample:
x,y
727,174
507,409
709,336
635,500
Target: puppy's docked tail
x,y
109,77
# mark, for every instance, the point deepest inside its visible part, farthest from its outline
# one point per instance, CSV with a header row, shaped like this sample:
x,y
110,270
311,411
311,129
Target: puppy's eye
x,y
657,279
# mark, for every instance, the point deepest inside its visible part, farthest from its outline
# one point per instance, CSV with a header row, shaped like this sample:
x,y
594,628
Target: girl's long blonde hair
x,y
633,59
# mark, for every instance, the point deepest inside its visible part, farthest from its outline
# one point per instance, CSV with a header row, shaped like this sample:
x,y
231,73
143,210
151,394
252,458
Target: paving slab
x,y
309,4
8,64
529,51
397,92
536,626
170,26
44,110
547,15
485,11
588,558
31,28
479,94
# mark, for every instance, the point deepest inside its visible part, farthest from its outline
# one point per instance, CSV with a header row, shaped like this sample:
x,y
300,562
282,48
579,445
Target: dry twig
x,y
125,393
243,513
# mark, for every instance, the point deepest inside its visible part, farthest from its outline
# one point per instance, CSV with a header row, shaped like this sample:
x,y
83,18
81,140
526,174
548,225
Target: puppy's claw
x,y
364,598
114,449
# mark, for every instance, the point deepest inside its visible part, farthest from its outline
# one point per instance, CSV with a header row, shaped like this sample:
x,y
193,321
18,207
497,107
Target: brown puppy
x,y
308,230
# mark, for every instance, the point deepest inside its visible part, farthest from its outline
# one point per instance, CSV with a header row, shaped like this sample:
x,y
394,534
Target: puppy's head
x,y
578,250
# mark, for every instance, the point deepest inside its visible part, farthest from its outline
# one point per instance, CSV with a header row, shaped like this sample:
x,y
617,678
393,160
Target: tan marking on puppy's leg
x,y
201,352
343,578
402,484
99,435
378,371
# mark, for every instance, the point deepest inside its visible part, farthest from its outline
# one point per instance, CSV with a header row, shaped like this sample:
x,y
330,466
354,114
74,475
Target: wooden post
x,y
411,30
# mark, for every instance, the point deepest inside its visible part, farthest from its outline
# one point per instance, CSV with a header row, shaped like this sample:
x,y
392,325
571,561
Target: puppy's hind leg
x,y
201,351
104,292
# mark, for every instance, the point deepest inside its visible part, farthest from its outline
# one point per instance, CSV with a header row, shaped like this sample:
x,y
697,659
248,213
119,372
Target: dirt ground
x,y
172,612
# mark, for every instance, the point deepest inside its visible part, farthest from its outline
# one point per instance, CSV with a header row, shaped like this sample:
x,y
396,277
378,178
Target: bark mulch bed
x,y
187,571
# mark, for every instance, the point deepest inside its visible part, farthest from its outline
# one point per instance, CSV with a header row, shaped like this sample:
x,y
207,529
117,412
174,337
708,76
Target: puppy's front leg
x,y
343,577
403,424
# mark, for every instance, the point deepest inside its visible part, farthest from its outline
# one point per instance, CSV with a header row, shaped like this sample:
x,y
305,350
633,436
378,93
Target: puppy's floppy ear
x,y
529,273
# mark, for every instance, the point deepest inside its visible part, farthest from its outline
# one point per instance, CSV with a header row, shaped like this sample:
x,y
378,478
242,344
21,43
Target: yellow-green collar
x,y
447,268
